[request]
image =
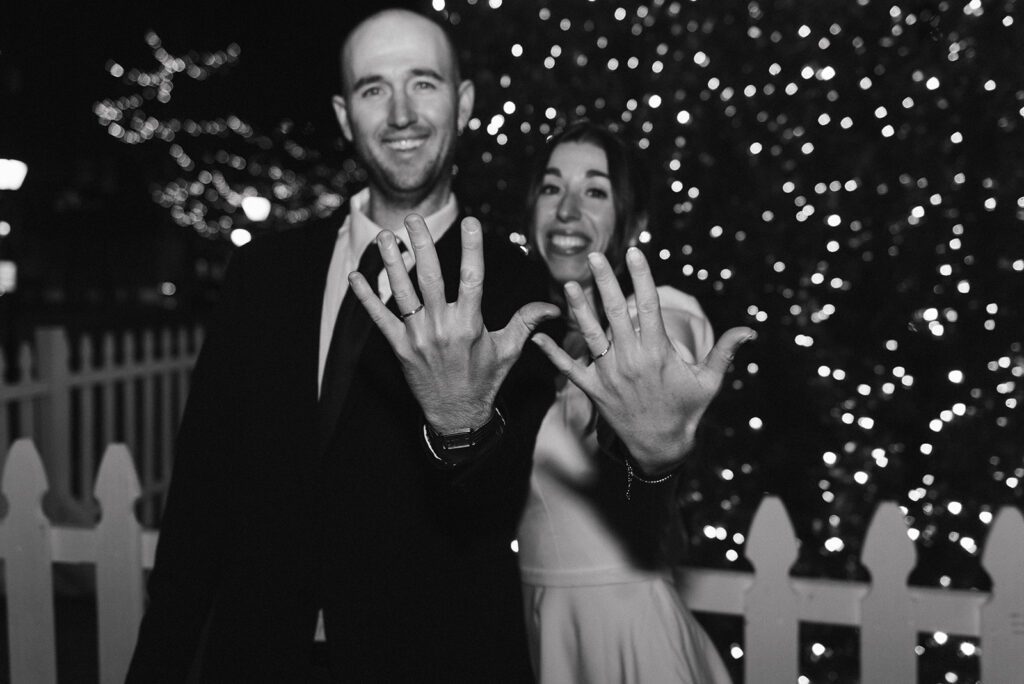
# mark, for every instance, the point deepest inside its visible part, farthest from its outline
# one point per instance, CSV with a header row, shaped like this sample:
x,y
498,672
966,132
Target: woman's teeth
x,y
569,243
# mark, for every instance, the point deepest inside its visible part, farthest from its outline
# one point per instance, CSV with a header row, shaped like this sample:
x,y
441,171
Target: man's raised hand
x,y
452,363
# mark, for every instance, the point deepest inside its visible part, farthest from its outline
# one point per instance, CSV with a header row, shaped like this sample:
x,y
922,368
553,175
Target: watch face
x,y
469,437
466,438
457,442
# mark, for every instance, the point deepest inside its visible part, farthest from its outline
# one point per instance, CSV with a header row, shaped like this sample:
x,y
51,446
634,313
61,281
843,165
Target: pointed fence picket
x,y
128,388
117,546
889,556
1002,618
771,601
25,537
889,613
118,562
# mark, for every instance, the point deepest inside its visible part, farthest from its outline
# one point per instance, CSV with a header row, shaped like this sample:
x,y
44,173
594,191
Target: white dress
x,y
592,615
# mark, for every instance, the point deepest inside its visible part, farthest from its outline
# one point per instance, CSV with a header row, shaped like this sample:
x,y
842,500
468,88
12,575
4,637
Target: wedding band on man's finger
x,y
595,357
412,313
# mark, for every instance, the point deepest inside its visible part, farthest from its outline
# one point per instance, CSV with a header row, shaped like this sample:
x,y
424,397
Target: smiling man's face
x,y
403,105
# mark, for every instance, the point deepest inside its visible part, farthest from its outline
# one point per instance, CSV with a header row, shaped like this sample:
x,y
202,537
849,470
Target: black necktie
x,y
351,329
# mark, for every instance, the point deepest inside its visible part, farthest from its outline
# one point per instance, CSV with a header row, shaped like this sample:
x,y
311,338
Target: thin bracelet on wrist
x,y
631,475
614,447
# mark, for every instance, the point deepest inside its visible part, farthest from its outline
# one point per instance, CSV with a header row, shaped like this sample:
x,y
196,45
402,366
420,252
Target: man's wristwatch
x,y
454,448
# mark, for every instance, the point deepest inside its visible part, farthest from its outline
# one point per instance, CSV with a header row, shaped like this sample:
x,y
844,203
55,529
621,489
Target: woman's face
x,y
574,214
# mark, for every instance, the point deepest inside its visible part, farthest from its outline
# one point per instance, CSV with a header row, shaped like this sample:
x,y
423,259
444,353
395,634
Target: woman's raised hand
x,y
641,385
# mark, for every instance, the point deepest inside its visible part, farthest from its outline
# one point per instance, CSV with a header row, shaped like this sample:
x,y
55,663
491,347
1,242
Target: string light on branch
x,y
219,158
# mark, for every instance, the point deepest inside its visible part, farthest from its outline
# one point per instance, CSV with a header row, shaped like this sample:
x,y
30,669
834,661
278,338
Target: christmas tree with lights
x,y
841,177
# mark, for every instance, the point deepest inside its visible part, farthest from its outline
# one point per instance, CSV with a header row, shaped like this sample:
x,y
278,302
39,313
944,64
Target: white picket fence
x,y
889,613
123,390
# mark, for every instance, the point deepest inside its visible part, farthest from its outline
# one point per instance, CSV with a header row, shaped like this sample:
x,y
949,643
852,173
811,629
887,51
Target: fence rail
x,y
128,388
888,612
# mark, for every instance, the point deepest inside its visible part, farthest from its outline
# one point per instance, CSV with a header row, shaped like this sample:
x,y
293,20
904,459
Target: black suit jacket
x,y
410,563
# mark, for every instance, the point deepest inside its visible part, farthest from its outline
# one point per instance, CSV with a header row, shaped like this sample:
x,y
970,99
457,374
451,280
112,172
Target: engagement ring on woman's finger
x,y
411,313
603,352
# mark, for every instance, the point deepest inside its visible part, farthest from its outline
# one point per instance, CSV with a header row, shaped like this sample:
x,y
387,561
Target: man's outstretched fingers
x,y
522,324
401,286
379,314
428,268
471,271
722,354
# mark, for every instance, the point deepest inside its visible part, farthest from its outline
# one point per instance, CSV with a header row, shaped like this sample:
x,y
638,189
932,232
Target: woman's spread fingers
x,y
722,354
586,319
611,297
648,306
572,369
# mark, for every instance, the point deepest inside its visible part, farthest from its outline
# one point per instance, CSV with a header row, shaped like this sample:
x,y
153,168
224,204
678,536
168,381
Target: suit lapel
x,y
317,259
353,326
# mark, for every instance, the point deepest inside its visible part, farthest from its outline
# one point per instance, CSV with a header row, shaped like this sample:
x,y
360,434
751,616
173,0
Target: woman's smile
x,y
567,243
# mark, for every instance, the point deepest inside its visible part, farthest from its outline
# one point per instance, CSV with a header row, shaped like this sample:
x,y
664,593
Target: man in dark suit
x,y
338,513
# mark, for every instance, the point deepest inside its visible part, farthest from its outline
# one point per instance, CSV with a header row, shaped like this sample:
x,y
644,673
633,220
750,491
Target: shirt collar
x,y
363,230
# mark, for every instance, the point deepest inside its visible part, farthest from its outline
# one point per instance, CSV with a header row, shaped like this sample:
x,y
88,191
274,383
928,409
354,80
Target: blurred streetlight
x,y
256,208
240,236
8,277
12,173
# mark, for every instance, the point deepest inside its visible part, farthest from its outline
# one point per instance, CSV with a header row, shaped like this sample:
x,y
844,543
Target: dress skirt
x,y
630,633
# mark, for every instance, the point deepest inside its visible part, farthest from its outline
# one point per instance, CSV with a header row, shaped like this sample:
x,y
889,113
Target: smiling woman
x,y
574,213
599,602
585,197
